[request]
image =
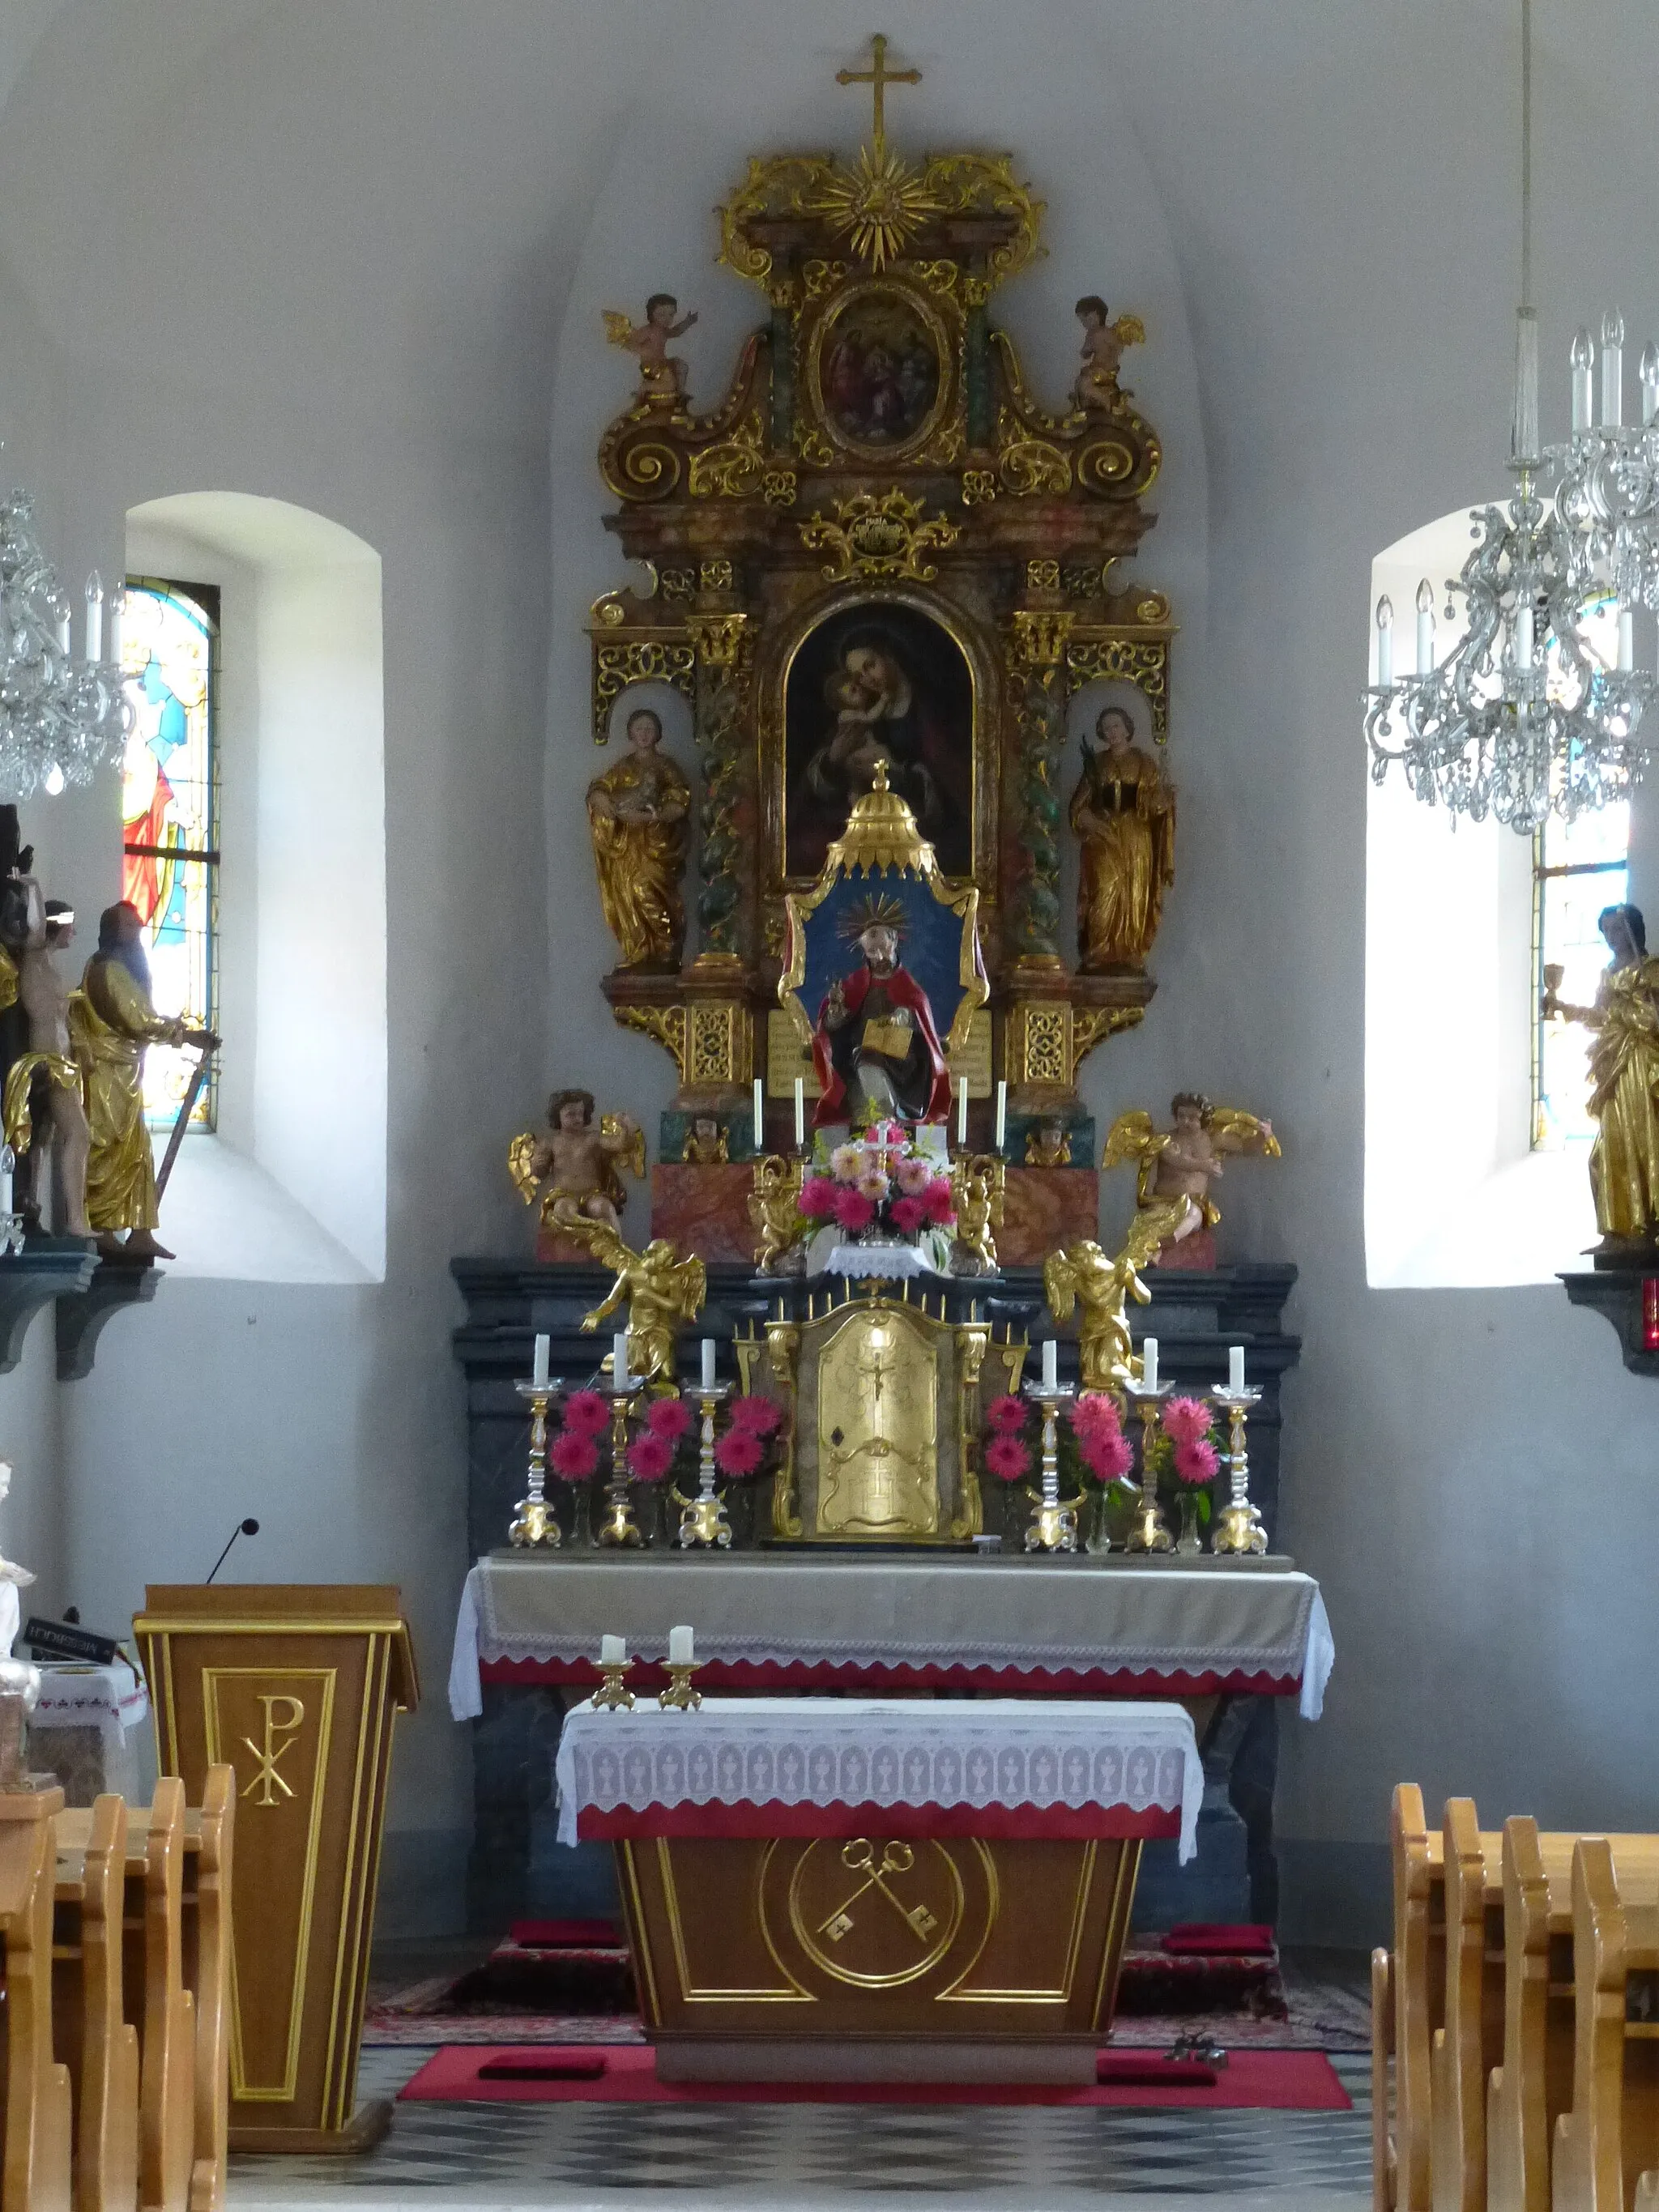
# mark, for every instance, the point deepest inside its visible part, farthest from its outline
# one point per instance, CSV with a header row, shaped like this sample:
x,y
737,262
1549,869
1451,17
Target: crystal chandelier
x,y
61,719
1526,717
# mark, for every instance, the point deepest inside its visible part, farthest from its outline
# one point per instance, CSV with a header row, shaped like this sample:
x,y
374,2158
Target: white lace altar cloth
x,y
1109,1628
1003,1753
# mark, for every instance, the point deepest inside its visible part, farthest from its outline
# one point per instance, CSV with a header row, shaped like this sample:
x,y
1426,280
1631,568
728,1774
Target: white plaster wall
x,y
354,258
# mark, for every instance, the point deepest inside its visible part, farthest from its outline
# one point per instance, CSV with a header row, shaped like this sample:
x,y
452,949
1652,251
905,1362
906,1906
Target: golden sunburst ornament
x,y
878,204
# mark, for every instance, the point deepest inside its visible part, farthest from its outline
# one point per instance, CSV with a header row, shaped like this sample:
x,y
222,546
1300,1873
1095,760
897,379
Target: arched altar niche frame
x,y
795,497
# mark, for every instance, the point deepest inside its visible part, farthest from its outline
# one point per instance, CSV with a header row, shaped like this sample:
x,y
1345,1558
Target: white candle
x,y
538,1371
1385,643
8,1161
1236,1367
1149,1363
1613,369
1424,628
1523,637
679,1646
94,617
1626,639
620,1377
800,1114
118,602
708,1363
760,1114
63,627
1050,1363
1002,1113
613,1651
1650,381
1582,356
962,1109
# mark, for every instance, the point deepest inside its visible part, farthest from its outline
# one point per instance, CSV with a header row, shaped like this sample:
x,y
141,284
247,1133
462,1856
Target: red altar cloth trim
x,y
1014,1823
877,1676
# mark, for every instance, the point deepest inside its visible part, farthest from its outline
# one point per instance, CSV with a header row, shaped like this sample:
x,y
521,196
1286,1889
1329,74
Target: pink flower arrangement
x,y
573,1457
854,1210
756,1416
1007,1415
669,1418
586,1413
940,1201
912,1175
908,1216
817,1198
873,1185
650,1456
738,1451
847,1163
1186,1421
1106,1453
1007,1458
1095,1413
1196,1464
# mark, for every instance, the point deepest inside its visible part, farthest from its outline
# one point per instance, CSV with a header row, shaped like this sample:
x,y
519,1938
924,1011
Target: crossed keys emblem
x,y
859,1858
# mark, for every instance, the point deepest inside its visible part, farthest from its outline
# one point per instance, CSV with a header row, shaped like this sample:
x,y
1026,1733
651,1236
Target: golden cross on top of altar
x,y
878,76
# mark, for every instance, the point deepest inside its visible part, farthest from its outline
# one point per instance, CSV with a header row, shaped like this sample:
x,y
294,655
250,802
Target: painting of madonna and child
x,y
880,681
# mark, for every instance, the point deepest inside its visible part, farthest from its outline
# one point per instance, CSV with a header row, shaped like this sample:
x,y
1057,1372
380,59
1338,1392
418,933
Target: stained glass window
x,y
170,819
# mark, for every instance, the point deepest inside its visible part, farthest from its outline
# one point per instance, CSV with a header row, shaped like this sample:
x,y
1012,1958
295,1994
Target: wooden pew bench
x,y
36,2170
91,2035
1607,2146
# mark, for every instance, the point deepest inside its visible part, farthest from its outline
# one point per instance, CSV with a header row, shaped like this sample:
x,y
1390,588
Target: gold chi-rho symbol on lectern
x,y
284,1716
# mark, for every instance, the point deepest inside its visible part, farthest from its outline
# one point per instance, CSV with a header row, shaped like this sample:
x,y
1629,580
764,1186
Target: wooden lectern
x,y
294,1686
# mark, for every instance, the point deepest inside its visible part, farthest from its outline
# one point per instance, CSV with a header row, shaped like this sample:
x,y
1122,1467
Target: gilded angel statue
x,y
575,1169
1085,1275
662,374
775,1210
1105,344
661,1292
978,1185
1183,1162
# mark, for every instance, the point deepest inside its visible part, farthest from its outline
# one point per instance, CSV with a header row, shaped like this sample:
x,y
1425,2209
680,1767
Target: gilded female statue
x,y
1623,1066
1124,812
636,814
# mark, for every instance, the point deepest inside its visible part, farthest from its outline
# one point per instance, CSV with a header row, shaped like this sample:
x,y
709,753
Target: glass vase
x,y
1190,1540
1100,1537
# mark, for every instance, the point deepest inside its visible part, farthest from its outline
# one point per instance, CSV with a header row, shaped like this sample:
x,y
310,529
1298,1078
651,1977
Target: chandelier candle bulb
x,y
1050,1363
1626,641
1612,371
1649,382
1523,637
1583,359
708,1363
1149,1363
95,633
1002,1113
679,1648
1385,643
118,603
1424,628
64,628
538,1371
1236,1367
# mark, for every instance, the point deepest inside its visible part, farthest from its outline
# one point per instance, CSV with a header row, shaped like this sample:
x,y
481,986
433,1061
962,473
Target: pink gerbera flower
x,y
852,1210
914,1176
1095,1411
755,1415
1195,1463
669,1418
909,1215
817,1198
1186,1420
1006,1415
586,1413
1007,1458
650,1456
573,1457
940,1202
1106,1453
738,1452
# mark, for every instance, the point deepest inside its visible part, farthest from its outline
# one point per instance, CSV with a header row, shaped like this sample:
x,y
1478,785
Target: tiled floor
x,y
624,2158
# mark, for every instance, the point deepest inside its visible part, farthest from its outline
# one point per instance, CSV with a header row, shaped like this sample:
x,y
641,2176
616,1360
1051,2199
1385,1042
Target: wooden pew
x,y
1607,2145
1417,1974
1383,2189
1470,2041
165,2009
35,2173
99,2045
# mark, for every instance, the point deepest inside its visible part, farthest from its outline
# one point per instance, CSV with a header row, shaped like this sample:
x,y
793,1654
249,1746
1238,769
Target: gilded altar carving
x,y
877,1428
879,543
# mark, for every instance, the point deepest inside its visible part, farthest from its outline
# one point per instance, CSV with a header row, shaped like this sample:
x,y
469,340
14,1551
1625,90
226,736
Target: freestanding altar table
x,y
848,1889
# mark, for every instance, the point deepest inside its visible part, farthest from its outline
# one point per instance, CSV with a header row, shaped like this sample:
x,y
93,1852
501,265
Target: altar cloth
x,y
826,1767
1099,1627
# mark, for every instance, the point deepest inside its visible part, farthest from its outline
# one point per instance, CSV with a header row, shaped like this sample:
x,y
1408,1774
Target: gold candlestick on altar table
x,y
619,1525
703,1523
613,1694
533,1525
1239,1528
1054,1525
1149,1532
679,1696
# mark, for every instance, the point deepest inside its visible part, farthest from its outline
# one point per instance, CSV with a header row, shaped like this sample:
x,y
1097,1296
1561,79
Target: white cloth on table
x,y
112,1700
1006,1612
1010,1752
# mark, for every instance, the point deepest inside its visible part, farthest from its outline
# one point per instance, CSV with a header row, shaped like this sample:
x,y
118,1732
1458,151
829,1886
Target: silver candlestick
x,y
703,1523
1054,1525
1239,1529
533,1526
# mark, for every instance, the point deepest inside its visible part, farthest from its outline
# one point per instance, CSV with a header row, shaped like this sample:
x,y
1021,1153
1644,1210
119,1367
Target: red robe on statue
x,y
833,1050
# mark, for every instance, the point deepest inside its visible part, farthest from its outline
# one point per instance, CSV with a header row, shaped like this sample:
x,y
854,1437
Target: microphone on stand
x,y
248,1527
